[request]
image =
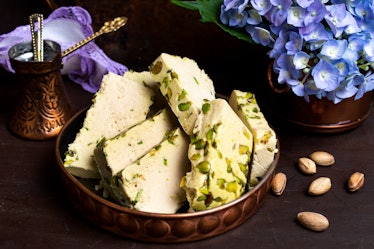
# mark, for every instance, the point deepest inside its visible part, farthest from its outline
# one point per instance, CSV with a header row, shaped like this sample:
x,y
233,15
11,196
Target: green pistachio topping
x,y
243,168
156,67
182,95
196,156
196,81
169,94
203,167
184,106
173,75
232,186
210,134
243,149
206,108
221,183
200,144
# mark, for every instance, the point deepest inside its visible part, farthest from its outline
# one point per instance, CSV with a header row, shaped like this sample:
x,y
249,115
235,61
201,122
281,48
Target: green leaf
x,y
210,11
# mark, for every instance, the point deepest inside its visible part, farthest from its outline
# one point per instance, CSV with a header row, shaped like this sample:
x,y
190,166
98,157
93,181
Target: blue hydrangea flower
x,y
323,48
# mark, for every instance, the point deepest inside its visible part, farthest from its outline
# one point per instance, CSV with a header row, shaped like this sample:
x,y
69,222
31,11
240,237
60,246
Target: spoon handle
x,y
36,35
108,27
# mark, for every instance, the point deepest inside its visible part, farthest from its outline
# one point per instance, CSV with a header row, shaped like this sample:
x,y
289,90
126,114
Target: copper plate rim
x,y
136,213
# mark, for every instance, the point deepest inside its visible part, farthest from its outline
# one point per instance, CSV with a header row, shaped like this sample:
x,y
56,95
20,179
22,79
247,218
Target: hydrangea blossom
x,y
320,47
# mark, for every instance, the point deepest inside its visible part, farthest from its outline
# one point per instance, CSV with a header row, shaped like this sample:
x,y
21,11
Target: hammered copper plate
x,y
153,227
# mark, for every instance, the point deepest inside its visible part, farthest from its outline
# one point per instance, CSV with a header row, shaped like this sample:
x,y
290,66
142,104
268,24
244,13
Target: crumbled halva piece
x,y
114,154
145,77
151,184
185,86
220,153
119,104
265,140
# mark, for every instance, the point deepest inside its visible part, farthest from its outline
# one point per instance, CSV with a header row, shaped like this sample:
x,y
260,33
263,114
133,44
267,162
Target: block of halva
x,y
185,86
119,104
114,154
151,184
145,77
220,153
265,140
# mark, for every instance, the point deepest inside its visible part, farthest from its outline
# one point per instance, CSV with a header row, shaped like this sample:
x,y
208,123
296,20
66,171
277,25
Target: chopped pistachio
x,y
182,95
200,144
244,149
196,156
210,134
184,106
196,81
173,75
203,167
232,186
156,67
206,108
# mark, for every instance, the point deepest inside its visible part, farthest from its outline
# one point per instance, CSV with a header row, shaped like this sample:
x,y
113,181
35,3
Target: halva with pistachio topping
x,y
220,151
265,140
185,86
145,77
119,104
151,184
114,154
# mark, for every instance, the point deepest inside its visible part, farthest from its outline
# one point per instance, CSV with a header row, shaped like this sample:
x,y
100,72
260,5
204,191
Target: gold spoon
x,y
36,35
108,27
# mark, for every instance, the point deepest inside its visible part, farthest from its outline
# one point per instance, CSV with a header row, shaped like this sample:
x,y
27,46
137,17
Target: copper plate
x,y
153,227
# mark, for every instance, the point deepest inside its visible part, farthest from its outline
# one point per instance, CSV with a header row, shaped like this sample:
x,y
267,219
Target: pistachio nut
x,y
279,183
313,221
322,158
307,166
355,181
319,186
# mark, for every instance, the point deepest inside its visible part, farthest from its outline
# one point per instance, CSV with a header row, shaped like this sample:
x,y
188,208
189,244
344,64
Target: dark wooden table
x,y
35,213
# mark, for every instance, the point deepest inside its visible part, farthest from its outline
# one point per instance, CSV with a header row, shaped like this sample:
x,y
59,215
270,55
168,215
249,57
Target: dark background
x,y
34,213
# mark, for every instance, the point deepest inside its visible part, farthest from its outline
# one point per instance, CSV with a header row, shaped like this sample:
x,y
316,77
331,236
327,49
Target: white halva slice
x,y
220,153
185,86
145,77
119,104
114,154
151,184
265,140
